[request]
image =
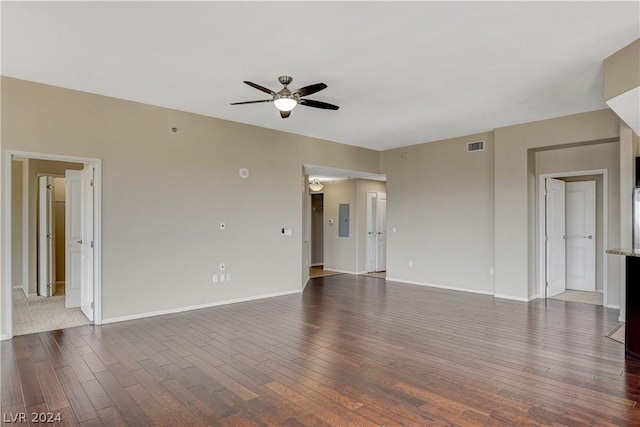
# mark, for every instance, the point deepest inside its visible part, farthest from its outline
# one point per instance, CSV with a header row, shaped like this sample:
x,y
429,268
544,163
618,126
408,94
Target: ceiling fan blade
x,y
311,89
262,88
318,104
285,114
252,102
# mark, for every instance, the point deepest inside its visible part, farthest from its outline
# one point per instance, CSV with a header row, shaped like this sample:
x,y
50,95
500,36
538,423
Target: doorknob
x,y
370,232
80,241
590,236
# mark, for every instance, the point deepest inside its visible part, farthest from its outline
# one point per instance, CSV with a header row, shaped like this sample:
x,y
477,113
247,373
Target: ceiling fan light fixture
x,y
285,104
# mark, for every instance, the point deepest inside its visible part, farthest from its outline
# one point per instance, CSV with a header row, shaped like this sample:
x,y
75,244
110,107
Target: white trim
x,y
620,319
5,337
339,271
616,307
541,227
365,272
6,302
316,264
512,298
304,286
196,307
431,285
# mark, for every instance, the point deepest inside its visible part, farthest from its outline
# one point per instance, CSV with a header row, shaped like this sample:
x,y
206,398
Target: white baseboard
x,y
620,319
431,285
35,294
339,271
512,298
316,264
305,284
4,337
614,306
362,272
195,307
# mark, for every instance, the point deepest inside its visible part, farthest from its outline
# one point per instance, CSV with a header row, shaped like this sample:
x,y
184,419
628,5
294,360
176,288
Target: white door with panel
x,y
86,294
46,255
73,238
381,230
376,231
581,235
79,270
555,237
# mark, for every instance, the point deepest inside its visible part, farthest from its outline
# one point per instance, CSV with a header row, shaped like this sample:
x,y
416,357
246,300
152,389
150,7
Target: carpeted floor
x,y
38,314
617,333
594,298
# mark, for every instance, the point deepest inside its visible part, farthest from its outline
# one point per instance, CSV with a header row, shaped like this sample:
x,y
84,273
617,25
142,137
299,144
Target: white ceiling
x,y
402,73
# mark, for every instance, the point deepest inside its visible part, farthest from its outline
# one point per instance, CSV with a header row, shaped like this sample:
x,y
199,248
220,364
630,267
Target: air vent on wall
x,y
475,146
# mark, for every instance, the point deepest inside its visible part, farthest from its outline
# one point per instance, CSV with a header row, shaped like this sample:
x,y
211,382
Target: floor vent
x,y
475,146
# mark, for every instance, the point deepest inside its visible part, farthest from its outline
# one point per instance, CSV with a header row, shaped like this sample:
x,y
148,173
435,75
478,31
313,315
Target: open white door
x,y
555,237
73,238
86,292
372,237
45,237
381,232
581,235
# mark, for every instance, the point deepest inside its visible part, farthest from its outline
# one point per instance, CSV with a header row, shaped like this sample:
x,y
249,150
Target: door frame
x,y
542,204
6,287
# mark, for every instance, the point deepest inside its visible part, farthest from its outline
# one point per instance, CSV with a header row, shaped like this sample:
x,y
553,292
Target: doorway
x,y
376,232
573,233
317,229
37,266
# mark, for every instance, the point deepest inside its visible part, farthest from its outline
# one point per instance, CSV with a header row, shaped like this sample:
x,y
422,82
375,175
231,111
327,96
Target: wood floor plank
x,y
51,388
350,350
127,407
78,399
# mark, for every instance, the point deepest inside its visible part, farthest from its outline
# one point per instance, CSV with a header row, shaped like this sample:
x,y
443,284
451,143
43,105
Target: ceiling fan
x,y
286,100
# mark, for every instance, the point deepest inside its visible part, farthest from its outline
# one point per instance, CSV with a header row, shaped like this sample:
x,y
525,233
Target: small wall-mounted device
x,y
330,221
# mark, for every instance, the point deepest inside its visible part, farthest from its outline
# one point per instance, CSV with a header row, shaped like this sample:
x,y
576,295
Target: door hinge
x,y
92,243
92,305
49,186
91,182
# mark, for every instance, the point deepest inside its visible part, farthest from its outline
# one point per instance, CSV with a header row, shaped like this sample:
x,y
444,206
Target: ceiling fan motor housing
x,y
285,80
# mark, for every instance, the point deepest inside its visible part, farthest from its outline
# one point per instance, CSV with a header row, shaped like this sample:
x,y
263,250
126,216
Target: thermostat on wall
x,y
244,173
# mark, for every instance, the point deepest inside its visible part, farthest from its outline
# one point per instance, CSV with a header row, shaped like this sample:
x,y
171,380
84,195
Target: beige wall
x,y
165,193
440,200
515,210
340,252
583,158
622,71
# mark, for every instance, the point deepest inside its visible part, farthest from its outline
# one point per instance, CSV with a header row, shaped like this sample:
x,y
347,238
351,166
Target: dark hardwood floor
x,y
350,351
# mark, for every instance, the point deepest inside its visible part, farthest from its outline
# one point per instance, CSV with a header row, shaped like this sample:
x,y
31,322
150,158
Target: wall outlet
x,y
222,266
228,277
223,226
222,277
492,271
410,263
214,279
